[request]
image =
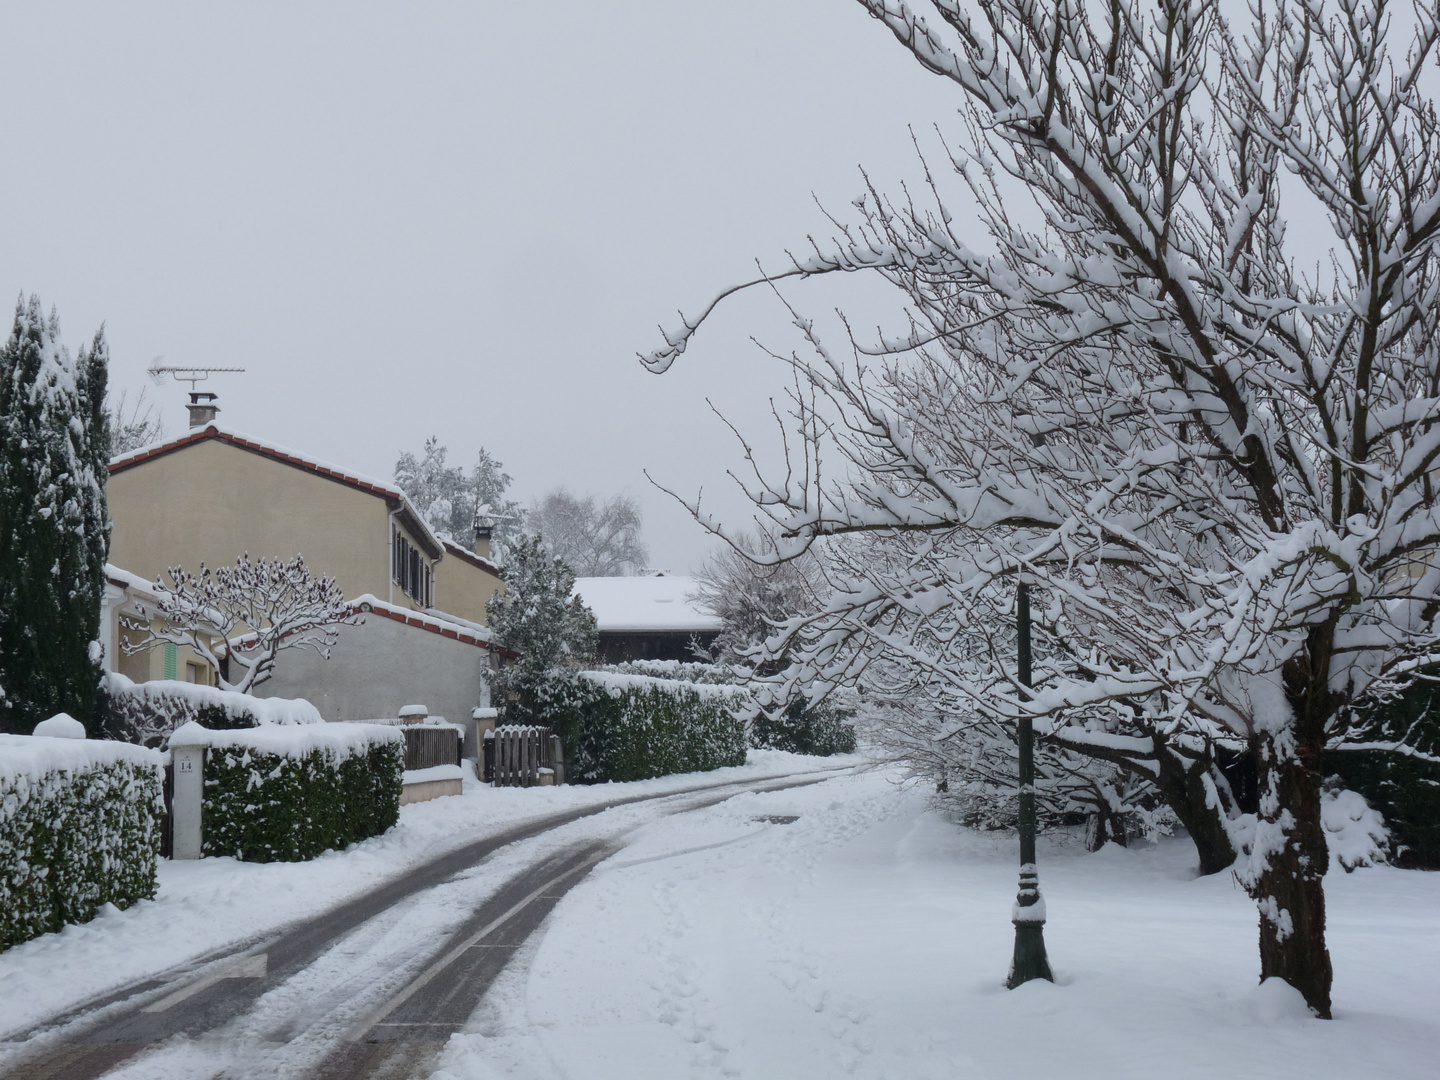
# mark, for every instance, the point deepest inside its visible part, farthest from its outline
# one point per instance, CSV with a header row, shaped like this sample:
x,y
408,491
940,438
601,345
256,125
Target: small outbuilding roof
x,y
655,603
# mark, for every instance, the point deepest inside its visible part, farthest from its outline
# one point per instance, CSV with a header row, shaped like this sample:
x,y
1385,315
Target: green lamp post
x,y
1030,961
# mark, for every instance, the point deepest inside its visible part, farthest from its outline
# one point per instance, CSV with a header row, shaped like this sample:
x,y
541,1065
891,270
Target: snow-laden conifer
x,y
538,616
54,527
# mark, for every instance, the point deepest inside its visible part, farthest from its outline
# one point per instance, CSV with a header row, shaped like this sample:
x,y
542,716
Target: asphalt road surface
x,y
395,1037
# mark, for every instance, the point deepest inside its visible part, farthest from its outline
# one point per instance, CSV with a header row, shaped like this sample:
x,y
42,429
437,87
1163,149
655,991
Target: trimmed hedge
x,y
79,828
630,727
265,802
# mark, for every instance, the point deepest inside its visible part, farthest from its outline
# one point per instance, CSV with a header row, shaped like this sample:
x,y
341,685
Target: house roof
x,y
634,604
466,555
434,621
393,496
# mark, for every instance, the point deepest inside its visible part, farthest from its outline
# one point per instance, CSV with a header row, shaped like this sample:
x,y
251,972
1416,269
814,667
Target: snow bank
x,y
435,772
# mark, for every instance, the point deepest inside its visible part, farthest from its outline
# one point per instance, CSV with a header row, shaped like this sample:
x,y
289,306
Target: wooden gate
x,y
430,745
515,754
167,822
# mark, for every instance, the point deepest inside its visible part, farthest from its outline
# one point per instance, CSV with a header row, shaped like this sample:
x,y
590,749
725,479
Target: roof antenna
x,y
202,404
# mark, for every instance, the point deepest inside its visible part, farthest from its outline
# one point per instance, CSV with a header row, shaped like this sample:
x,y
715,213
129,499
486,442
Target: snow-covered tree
x,y
54,526
1215,467
538,617
451,500
241,617
596,539
752,595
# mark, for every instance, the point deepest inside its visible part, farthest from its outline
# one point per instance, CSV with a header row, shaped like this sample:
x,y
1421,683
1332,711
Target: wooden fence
x,y
515,754
427,746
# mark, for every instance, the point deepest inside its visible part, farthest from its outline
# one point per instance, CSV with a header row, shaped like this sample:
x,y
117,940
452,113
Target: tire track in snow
x,y
177,1014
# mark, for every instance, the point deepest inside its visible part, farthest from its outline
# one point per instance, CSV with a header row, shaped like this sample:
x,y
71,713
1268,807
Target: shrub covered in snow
x,y
1355,832
79,828
632,727
287,793
148,712
800,728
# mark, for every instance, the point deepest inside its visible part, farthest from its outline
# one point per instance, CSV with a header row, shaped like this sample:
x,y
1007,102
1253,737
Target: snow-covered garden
x,y
871,937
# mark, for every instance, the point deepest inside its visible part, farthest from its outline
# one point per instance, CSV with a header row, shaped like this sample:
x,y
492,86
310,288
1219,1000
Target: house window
x,y
411,571
194,673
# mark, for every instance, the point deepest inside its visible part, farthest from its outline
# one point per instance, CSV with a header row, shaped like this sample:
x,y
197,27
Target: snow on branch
x,y
242,616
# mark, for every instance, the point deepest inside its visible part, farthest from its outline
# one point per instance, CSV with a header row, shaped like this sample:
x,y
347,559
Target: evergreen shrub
x,y
631,727
1404,788
79,828
286,794
820,729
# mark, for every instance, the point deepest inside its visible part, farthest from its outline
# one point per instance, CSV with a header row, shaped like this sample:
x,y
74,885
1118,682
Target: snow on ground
x,y
214,904
871,937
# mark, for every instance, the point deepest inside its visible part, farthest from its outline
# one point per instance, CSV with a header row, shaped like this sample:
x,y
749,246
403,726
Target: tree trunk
x,y
1198,805
1289,862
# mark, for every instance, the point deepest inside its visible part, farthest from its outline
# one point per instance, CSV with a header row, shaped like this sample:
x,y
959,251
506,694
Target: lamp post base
x,y
1030,961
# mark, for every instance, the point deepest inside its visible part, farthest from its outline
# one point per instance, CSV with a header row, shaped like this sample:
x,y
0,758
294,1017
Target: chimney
x,y
202,408
484,528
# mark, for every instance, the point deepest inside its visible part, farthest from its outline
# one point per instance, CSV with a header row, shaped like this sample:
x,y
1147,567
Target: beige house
x,y
213,494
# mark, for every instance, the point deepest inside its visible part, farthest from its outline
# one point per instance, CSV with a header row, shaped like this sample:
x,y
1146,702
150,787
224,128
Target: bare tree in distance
x,y
595,539
133,425
754,596
1216,470
243,616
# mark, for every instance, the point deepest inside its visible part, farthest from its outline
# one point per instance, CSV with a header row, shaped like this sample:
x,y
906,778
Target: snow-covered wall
x,y
376,668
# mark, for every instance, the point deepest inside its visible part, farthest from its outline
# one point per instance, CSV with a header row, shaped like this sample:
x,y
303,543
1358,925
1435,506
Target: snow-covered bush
x,y
285,794
148,712
79,828
1355,832
800,728
633,727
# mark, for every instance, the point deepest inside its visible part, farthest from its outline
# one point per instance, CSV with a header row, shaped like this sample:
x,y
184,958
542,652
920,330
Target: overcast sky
x,y
462,220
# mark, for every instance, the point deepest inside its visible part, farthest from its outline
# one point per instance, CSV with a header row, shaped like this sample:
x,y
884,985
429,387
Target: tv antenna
x,y
192,375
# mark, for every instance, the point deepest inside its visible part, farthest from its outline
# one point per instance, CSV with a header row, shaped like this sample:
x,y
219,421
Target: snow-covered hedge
x,y
632,727
79,828
287,793
801,728
148,712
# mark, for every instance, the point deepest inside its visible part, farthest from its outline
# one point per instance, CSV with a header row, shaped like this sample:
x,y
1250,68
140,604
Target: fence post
x,y
557,758
187,801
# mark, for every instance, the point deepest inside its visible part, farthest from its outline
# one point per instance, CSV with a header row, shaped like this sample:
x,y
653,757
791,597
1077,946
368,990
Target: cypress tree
x,y
54,527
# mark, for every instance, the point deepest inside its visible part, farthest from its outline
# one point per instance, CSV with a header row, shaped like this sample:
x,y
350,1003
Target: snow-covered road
x,y
843,928
275,994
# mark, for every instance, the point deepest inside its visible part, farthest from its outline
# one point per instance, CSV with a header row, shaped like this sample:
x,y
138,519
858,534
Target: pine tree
x,y
538,617
54,526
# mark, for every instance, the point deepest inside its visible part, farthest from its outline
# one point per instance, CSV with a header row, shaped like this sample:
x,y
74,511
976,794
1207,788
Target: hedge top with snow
x,y
34,756
337,741
617,683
